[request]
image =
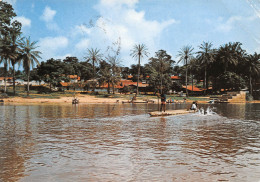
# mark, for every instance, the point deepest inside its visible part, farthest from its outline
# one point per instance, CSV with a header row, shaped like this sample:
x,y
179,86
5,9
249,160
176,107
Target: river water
x,y
121,142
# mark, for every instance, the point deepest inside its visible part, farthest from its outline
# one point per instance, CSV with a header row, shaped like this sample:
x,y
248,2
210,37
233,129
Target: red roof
x,y
129,76
7,78
74,77
123,83
175,77
64,84
195,89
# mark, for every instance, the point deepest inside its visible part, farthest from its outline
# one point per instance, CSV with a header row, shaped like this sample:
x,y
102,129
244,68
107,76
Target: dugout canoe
x,y
170,112
135,102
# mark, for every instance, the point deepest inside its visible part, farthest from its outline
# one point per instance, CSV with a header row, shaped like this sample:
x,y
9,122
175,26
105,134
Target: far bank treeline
x,y
228,67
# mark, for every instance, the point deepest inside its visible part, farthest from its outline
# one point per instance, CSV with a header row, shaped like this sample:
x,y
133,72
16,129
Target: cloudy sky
x,y
69,27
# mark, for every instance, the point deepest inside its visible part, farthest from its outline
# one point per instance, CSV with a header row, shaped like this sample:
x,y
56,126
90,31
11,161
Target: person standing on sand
x,y
163,102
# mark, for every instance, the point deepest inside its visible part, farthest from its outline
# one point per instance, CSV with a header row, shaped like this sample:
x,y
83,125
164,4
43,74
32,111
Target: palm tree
x,y
95,56
106,77
115,70
28,57
185,55
253,66
4,53
205,56
229,54
194,69
14,51
139,51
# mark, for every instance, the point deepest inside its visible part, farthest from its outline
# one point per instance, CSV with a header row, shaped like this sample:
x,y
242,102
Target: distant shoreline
x,y
84,99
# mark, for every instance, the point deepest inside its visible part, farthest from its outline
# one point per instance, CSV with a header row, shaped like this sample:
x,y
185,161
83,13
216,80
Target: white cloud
x,y
25,21
48,14
228,25
81,29
83,44
48,17
52,46
113,3
119,20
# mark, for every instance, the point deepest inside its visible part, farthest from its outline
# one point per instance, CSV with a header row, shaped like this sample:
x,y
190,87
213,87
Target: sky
x,y
70,27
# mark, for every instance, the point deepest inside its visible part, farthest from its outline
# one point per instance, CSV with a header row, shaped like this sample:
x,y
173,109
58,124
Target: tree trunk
x,y
192,82
113,88
187,94
160,77
13,80
5,75
5,84
94,76
108,87
250,84
205,81
28,82
138,74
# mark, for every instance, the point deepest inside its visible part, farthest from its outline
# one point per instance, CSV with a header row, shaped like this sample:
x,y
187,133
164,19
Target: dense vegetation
x,y
228,67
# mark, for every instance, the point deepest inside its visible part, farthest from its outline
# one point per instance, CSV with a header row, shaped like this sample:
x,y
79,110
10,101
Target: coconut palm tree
x,y
205,56
253,68
139,51
185,55
95,56
29,56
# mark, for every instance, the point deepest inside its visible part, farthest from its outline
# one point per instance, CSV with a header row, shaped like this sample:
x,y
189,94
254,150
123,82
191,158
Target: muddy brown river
x,y
121,142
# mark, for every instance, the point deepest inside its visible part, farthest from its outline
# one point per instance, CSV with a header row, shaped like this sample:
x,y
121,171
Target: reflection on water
x,y
122,143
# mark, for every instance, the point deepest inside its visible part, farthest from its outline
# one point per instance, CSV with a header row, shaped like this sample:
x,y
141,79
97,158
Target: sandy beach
x,y
83,99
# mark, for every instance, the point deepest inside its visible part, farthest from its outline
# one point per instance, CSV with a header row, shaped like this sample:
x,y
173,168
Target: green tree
x,y
229,55
205,57
125,72
194,68
85,70
253,69
115,70
185,55
160,69
95,56
137,72
139,51
4,61
14,55
29,56
231,81
53,72
105,74
6,15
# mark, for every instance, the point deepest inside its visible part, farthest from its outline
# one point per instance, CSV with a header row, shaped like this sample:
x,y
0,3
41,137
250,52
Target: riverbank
x,y
100,99
92,99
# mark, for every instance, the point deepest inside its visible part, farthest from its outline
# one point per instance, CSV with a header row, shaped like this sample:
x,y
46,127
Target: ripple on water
x,y
122,143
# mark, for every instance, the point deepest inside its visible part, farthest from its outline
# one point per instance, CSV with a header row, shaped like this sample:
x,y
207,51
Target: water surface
x,y
121,142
